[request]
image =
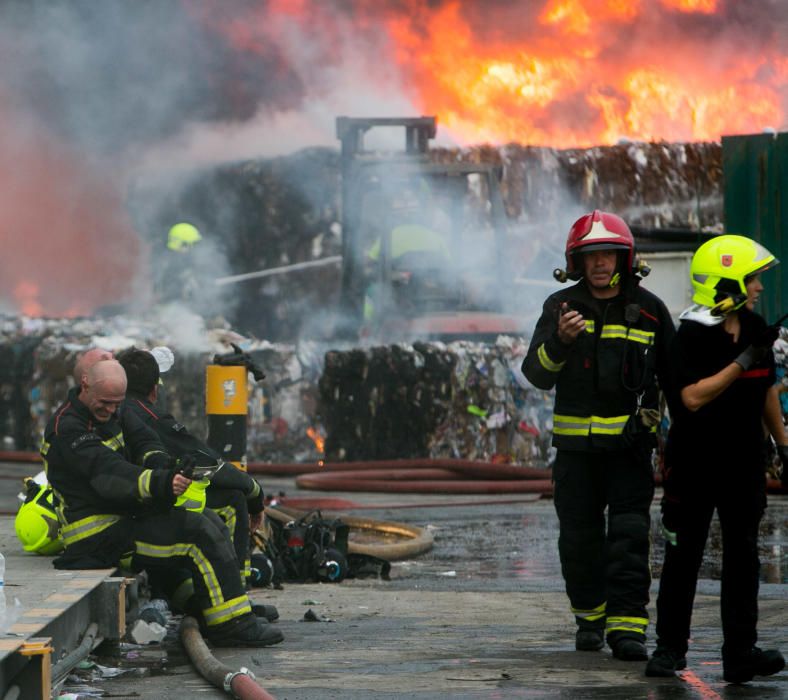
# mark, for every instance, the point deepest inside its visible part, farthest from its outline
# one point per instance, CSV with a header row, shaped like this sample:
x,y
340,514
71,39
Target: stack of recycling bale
x,y
38,357
463,400
384,402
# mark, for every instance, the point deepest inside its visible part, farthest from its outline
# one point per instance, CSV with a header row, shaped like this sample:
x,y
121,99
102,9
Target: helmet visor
x,y
768,266
600,246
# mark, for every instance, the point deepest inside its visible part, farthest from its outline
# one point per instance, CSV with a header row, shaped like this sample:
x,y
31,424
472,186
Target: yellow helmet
x,y
193,498
183,236
36,523
720,268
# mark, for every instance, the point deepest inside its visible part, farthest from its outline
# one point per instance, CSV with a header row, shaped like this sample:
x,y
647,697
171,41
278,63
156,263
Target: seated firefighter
x,y
235,496
112,509
178,587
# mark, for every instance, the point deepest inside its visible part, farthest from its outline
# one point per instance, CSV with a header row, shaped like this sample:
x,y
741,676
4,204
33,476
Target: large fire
x,y
67,245
82,87
588,72
560,73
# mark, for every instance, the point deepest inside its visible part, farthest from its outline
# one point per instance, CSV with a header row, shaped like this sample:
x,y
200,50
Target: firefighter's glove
x,y
255,502
752,355
161,485
185,465
782,452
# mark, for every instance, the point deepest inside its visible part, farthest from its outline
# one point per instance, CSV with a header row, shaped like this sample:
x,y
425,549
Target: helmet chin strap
x,y
728,304
614,280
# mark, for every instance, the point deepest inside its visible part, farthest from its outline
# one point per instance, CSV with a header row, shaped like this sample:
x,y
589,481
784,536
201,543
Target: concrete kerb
x,y
56,609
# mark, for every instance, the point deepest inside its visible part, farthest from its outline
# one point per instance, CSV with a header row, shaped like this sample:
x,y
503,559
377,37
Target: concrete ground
x,y
482,615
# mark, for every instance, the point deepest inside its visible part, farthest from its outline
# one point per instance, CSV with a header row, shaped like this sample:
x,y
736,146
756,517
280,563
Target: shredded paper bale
x,y
462,400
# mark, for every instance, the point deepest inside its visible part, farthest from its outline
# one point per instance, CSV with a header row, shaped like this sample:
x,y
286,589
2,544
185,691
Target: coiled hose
x,y
413,540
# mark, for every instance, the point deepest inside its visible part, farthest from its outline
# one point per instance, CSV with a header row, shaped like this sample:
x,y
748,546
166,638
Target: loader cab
x,y
424,243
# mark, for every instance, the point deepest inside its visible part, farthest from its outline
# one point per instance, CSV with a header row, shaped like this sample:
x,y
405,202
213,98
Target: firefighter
x,y
177,276
408,258
235,496
36,522
113,509
86,360
724,375
603,344
182,236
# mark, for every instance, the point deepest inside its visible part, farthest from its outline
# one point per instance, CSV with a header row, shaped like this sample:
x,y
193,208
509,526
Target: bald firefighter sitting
x,y
117,488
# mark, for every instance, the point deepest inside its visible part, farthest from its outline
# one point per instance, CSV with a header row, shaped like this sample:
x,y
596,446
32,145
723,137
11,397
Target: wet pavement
x,y
481,616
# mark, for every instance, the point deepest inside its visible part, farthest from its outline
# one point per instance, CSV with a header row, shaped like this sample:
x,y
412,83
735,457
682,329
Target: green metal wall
x,y
755,190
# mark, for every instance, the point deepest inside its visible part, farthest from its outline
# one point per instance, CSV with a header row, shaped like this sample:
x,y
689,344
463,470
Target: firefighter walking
x,y
602,344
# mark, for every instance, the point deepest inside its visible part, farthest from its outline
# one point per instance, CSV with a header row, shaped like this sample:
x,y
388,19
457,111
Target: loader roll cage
x,y
457,202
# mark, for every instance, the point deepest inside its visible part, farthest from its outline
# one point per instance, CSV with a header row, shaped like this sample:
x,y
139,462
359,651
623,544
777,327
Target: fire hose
x,y
240,684
451,476
68,662
496,473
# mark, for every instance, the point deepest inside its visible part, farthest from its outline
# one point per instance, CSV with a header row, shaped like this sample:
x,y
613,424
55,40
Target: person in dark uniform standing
x,y
116,487
724,380
603,344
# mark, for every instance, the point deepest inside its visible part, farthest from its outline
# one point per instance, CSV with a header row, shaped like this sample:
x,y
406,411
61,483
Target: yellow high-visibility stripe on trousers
x,y
227,611
228,515
591,615
86,527
185,549
626,624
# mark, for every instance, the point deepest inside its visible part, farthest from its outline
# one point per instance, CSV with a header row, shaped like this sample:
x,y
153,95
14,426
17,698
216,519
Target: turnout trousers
x,y
230,505
605,562
687,510
179,539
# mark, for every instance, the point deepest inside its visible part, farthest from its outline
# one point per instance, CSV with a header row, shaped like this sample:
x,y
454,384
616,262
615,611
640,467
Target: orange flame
x,y
565,73
317,438
68,244
26,296
581,82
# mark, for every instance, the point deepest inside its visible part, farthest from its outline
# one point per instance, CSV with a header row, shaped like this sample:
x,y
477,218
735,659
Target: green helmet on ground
x,y
36,524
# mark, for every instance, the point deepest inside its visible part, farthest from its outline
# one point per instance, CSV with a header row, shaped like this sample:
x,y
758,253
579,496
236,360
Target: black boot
x,y
244,631
756,662
589,639
664,663
629,649
269,612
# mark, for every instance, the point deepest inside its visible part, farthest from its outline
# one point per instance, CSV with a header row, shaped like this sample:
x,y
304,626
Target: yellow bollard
x,y
227,405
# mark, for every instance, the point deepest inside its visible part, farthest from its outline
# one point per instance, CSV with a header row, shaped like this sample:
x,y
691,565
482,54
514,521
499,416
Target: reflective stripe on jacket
x,y
621,354
101,472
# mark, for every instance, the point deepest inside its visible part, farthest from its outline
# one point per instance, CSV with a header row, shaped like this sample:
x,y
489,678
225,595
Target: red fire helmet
x,y
598,230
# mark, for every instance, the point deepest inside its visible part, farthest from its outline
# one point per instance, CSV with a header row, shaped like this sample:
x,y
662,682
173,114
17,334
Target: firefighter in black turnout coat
x,y
235,496
113,509
603,345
